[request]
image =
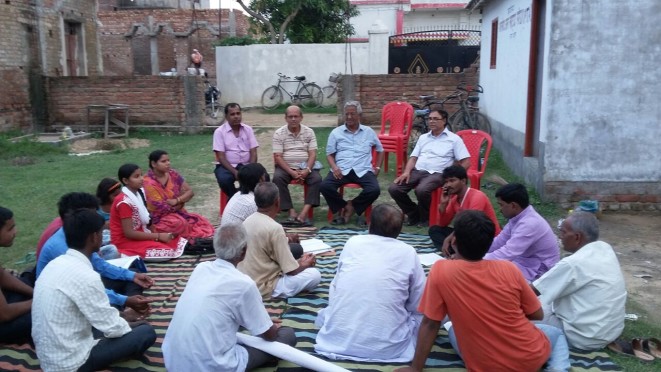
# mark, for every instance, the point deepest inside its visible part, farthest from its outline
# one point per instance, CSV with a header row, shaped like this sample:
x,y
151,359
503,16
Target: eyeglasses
x,y
434,119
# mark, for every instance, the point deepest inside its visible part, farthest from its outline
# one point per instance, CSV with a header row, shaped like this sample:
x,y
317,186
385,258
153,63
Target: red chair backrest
x,y
397,119
474,140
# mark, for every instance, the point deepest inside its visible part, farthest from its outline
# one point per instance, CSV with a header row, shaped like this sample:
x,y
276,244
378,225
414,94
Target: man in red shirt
x,y
491,307
457,196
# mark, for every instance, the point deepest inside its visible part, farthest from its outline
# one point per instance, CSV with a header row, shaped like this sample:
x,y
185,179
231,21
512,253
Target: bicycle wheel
x,y
459,121
481,122
271,98
330,98
310,95
417,130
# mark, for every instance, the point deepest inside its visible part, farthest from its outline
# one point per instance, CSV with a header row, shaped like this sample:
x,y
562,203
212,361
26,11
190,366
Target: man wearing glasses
x,y
434,151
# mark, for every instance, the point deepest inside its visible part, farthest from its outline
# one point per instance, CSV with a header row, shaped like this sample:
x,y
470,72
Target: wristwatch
x,y
308,169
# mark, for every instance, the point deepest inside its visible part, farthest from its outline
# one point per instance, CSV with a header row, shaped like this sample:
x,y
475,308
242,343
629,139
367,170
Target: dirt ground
x,y
636,237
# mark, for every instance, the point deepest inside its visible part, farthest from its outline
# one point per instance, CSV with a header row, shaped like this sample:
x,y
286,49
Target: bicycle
x,y
468,115
308,94
212,100
330,98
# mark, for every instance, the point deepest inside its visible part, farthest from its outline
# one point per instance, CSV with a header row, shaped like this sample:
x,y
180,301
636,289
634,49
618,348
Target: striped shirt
x,y
294,148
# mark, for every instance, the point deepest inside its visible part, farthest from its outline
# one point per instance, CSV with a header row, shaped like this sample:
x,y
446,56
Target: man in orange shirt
x,y
456,197
491,307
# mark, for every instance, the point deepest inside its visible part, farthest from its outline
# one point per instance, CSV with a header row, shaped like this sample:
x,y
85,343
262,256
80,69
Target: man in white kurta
x,y
584,293
372,311
217,300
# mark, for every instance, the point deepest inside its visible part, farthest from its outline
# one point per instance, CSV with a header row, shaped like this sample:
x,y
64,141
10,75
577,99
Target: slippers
x,y
303,223
361,222
338,220
652,346
632,349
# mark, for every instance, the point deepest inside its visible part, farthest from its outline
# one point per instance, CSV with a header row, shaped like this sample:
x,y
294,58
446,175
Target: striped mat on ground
x,y
298,312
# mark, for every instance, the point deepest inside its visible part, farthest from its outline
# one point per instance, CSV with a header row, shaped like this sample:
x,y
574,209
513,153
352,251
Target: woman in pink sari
x,y
167,192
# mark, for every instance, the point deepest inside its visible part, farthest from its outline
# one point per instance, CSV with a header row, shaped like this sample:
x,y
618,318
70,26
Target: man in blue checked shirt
x,y
349,154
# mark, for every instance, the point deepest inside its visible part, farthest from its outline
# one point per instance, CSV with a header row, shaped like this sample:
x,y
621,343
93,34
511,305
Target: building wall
x,y
382,14
594,75
33,45
172,102
254,68
125,38
431,19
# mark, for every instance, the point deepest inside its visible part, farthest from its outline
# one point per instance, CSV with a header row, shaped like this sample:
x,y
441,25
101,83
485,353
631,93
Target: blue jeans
x,y
559,359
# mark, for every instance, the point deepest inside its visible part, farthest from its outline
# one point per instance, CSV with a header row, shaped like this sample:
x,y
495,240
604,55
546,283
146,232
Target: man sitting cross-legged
x,y
123,287
371,313
456,197
15,295
270,261
219,299
584,294
70,302
490,305
527,239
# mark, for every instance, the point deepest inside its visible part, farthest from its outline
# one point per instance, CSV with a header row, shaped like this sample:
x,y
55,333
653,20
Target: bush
x,y
237,40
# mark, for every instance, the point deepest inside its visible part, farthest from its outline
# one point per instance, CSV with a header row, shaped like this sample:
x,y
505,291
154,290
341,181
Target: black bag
x,y
199,246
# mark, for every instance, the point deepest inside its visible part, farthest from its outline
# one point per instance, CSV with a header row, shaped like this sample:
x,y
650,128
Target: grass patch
x,y
27,148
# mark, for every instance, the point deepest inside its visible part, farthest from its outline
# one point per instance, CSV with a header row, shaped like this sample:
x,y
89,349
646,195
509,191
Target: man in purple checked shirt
x,y
527,240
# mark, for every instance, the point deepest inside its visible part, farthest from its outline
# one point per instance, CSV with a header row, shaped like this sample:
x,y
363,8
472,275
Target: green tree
x,y
303,21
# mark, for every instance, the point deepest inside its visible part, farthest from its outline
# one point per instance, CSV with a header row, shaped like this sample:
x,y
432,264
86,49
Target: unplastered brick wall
x,y
31,46
177,33
375,91
153,100
612,196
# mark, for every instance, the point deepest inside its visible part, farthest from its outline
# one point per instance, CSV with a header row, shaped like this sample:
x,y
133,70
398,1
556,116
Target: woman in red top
x,y
130,220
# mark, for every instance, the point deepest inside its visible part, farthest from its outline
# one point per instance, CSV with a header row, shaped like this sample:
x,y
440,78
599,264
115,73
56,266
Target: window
x,y
494,42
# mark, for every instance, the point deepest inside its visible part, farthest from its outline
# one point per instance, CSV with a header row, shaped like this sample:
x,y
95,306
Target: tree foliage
x,y
303,21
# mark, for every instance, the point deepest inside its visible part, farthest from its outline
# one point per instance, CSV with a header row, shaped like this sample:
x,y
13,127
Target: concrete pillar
x,y
378,49
153,47
232,23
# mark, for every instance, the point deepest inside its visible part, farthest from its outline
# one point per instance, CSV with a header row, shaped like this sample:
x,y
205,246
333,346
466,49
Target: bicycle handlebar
x,y
283,76
469,88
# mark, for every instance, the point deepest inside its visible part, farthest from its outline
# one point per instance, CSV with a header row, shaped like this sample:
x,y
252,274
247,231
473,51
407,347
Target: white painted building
x,y
403,16
571,90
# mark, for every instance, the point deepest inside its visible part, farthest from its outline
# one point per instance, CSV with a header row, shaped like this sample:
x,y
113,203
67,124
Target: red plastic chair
x,y
223,202
396,122
475,141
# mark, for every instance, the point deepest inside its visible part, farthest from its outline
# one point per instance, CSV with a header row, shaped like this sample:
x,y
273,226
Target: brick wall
x,y
31,46
176,32
374,91
153,100
612,196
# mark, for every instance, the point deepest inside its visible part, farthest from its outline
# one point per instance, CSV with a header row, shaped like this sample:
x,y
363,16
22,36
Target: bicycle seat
x,y
473,99
299,78
426,98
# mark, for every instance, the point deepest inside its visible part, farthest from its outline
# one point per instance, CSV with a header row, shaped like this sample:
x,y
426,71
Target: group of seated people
x,y
507,299
84,311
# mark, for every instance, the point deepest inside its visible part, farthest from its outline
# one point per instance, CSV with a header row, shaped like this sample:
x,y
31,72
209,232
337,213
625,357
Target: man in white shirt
x,y
434,151
219,299
584,294
242,204
70,300
372,306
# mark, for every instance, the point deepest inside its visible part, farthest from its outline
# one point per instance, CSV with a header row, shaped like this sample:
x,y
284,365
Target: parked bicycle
x,y
468,115
330,91
212,100
307,94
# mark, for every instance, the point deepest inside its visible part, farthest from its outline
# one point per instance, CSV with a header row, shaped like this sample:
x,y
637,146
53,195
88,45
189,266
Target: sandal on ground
x,y
303,223
290,222
338,220
632,349
652,346
361,222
